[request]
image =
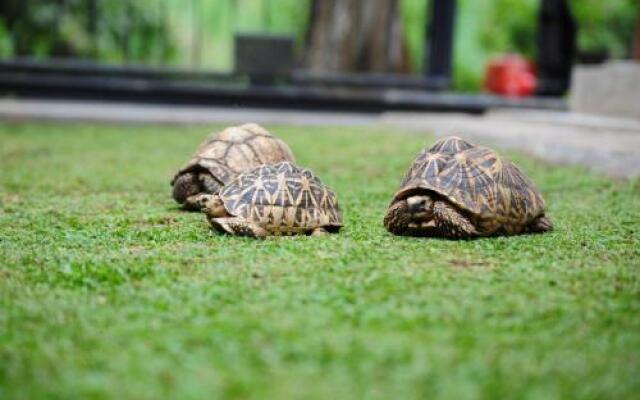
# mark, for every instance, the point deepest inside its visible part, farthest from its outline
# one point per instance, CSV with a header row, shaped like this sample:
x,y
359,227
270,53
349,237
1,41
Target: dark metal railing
x,y
125,50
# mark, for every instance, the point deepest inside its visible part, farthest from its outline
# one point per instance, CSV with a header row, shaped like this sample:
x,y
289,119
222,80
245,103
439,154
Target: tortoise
x,y
223,156
276,199
456,189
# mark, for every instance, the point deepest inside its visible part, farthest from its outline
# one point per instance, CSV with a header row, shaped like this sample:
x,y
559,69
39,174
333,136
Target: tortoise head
x,y
212,205
411,215
420,208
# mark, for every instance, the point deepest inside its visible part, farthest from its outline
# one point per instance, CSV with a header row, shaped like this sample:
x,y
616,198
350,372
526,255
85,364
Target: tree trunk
x,y
355,35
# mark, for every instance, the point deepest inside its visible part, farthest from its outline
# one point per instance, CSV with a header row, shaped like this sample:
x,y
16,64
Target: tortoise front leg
x,y
451,223
397,218
238,226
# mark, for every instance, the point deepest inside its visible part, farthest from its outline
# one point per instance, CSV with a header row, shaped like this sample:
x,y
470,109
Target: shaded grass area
x,y
108,290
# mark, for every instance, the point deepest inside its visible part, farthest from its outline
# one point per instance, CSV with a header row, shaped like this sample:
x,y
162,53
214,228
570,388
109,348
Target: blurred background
x,y
342,55
199,34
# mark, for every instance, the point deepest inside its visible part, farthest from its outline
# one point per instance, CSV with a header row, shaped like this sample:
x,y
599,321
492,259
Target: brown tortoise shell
x,y
235,150
491,190
282,198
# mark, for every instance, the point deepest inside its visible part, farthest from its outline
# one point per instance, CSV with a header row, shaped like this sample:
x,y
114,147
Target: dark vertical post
x,y
556,47
439,41
19,38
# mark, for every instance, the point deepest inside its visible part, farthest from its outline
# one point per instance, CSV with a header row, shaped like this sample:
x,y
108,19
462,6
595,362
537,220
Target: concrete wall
x,y
611,89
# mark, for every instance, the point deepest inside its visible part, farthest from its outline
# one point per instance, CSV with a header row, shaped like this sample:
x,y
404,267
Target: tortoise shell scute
x,y
282,195
450,145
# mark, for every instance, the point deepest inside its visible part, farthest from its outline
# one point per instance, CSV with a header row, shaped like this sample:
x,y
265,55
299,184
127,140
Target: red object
x,y
511,75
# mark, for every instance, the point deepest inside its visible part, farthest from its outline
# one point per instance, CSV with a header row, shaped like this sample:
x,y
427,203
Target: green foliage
x,y
128,31
510,27
606,25
107,290
6,45
134,31
414,13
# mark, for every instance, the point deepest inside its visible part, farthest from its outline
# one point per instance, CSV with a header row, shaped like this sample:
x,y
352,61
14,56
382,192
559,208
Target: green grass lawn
x,y
108,290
